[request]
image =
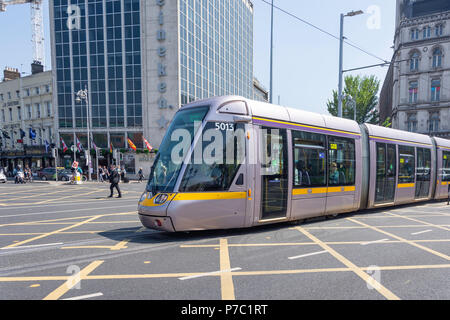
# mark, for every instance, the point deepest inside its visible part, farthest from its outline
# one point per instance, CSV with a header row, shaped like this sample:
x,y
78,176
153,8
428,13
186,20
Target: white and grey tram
x,y
230,162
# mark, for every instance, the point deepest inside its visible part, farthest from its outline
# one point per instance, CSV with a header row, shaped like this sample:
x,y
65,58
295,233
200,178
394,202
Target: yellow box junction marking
x,y
226,279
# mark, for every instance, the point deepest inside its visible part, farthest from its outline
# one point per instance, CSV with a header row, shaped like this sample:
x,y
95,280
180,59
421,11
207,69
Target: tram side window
x,y
221,155
341,161
407,164
446,167
309,159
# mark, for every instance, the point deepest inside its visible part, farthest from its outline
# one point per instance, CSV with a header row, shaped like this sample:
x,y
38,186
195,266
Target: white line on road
x,y
307,255
72,210
420,232
98,294
34,246
372,242
209,273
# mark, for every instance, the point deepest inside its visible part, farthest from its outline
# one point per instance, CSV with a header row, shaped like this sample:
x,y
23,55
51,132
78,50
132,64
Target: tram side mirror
x,y
240,180
242,119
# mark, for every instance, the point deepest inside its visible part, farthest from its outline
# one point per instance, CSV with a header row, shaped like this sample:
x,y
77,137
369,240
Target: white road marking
x,y
86,296
52,212
372,242
307,255
420,232
34,246
209,273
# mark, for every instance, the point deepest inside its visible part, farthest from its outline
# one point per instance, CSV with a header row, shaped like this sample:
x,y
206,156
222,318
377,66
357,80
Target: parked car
x,y
2,176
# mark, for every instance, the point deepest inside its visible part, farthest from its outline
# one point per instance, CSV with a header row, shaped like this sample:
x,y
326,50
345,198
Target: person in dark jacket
x,y
114,179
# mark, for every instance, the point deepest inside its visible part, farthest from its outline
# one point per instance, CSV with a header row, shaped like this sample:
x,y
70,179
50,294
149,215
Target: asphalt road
x,y
71,242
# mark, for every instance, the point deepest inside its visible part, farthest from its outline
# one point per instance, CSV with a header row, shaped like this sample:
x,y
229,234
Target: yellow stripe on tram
x,y
297,192
406,185
211,196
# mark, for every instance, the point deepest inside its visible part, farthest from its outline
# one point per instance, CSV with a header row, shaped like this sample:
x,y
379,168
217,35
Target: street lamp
x,y
80,96
352,103
341,52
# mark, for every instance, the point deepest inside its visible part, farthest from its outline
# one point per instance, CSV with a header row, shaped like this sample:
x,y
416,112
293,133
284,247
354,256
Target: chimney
x,y
37,67
10,74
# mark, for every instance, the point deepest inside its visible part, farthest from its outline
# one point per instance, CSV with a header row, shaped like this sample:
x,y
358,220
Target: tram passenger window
x,y
309,159
407,164
214,166
341,161
446,166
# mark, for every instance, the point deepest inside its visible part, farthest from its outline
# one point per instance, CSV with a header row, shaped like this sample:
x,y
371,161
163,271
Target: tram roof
x,y
394,134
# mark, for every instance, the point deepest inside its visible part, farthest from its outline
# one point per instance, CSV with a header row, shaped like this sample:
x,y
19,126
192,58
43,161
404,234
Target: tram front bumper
x,y
157,222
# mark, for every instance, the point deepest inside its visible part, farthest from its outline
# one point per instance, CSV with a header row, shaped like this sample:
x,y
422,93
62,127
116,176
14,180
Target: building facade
x,y
259,92
141,60
26,104
416,94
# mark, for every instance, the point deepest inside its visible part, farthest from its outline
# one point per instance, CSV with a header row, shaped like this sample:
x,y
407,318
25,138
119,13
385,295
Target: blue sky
x,y
305,60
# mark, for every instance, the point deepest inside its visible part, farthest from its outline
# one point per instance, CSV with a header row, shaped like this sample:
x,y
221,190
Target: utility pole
x,y
271,56
84,95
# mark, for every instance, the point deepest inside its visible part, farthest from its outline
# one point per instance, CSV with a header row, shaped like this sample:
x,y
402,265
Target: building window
x,y
18,94
439,30
1,96
437,58
49,109
19,113
38,91
435,90
412,123
29,112
9,95
38,110
415,34
27,92
414,61
434,122
427,32
3,115
47,88
413,91
10,114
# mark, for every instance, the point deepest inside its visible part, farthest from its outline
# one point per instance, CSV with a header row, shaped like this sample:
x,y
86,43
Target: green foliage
x,y
364,91
387,123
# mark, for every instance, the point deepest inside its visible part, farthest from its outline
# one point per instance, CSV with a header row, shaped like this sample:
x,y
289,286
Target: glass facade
x,y
216,48
98,46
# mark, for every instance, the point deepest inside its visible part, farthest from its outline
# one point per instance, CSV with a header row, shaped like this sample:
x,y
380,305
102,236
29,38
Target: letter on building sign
x,y
162,52
161,70
161,35
74,19
162,87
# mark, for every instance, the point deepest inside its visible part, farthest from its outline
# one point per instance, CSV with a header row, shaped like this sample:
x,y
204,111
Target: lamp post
x,y
341,53
83,95
352,103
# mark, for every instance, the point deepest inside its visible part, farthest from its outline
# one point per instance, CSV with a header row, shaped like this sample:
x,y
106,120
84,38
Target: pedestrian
x,y
100,174
114,179
141,175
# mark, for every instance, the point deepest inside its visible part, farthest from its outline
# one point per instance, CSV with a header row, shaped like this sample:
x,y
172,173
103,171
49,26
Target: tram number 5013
x,y
222,126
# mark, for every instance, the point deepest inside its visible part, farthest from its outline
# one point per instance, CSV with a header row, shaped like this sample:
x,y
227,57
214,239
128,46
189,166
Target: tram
x,y
229,162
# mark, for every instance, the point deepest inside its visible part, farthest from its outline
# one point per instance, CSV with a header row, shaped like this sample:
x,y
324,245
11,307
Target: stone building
x,y
416,92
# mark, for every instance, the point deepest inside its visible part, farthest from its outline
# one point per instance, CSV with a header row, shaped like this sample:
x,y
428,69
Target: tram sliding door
x,y
423,173
386,173
274,173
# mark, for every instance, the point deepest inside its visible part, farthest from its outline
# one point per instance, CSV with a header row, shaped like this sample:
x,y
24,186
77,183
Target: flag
x,y
64,145
149,147
131,144
46,146
93,144
79,145
110,148
32,134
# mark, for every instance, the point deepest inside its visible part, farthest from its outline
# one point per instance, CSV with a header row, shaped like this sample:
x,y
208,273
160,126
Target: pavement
x,y
60,241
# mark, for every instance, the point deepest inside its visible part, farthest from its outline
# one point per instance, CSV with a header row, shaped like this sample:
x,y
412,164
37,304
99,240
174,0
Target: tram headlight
x,y
161,198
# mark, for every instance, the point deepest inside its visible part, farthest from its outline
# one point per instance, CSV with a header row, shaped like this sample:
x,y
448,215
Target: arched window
x,y
434,122
414,61
437,58
412,123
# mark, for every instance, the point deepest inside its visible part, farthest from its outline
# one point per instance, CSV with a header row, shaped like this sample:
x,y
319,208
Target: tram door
x,y
274,173
386,173
423,173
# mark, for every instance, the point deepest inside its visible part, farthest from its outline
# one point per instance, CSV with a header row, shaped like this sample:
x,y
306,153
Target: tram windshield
x,y
181,132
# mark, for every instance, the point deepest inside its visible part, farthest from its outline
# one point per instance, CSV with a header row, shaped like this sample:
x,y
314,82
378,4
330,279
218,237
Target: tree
x,y
364,91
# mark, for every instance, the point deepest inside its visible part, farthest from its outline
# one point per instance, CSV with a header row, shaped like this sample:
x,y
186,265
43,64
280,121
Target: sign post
x,y
55,156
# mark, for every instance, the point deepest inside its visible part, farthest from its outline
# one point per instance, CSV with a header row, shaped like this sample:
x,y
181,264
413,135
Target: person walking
x,y
100,175
114,179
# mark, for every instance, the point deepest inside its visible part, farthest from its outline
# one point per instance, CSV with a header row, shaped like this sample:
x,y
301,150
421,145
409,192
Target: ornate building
x,y
416,92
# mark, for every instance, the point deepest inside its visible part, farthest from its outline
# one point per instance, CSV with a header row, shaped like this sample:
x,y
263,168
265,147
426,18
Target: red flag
x,y
149,147
64,145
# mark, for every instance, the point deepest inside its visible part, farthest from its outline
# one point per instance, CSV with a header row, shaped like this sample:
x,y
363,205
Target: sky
x,y
305,62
